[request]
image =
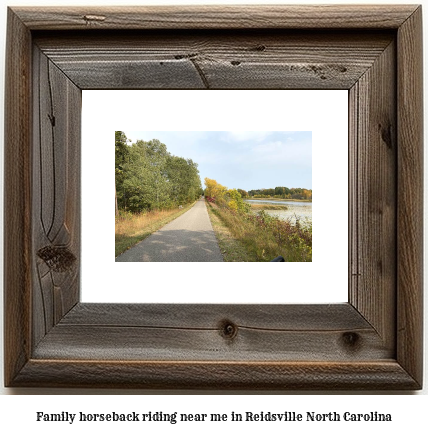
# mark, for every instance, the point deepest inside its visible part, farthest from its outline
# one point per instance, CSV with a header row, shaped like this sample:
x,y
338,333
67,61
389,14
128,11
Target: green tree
x,y
234,201
184,178
146,185
148,176
243,193
121,153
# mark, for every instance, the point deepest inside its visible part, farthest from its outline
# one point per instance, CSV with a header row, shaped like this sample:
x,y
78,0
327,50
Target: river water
x,y
293,210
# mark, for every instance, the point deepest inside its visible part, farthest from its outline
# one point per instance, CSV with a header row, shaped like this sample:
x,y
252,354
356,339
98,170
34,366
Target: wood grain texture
x,y
410,197
210,316
199,332
217,17
216,59
17,199
374,342
388,375
55,194
373,177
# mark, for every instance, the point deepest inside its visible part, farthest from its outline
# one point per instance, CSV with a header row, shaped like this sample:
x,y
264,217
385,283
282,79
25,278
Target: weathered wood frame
x,y
372,342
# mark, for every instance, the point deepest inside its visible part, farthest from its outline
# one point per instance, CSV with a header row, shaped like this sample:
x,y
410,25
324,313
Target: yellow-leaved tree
x,y
224,197
214,189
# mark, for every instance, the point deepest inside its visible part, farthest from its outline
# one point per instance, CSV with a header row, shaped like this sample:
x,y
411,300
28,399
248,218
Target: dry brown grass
x,y
231,249
266,206
133,228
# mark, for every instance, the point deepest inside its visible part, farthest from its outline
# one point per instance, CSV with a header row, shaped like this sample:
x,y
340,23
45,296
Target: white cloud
x,y
279,152
242,136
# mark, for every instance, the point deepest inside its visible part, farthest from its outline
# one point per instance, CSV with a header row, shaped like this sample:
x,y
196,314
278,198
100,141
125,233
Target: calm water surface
x,y
300,210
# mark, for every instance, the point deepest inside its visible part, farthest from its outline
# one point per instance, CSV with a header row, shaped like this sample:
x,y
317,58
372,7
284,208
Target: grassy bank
x,y
267,206
133,228
278,200
262,237
232,249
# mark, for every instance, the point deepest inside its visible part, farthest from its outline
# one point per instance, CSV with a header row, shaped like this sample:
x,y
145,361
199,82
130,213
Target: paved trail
x,y
189,238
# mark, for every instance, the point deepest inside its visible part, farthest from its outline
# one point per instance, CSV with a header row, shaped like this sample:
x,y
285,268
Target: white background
x,y
324,280
18,412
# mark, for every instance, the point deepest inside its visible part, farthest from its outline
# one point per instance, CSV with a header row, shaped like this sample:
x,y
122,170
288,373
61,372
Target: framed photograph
x,y
372,341
311,149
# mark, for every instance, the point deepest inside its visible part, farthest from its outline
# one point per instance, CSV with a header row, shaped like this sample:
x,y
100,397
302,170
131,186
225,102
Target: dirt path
x,y
189,238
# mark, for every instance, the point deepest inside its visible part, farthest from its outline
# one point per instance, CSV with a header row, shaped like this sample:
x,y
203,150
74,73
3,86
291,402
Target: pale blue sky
x,y
242,159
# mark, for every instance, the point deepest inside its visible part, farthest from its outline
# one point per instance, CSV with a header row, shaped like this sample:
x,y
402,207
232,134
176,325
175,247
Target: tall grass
x,y
261,206
267,237
132,228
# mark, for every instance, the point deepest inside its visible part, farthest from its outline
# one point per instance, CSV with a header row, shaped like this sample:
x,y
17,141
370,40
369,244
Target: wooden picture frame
x,y
372,342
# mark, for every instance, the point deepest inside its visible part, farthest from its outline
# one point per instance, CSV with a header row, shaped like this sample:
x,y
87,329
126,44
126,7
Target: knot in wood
x,y
386,134
351,340
228,330
58,259
93,18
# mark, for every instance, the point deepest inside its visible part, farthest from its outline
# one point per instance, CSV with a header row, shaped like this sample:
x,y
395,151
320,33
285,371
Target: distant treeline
x,y
149,177
278,193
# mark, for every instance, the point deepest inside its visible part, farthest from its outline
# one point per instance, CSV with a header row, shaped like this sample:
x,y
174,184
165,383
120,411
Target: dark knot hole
x,y
228,329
